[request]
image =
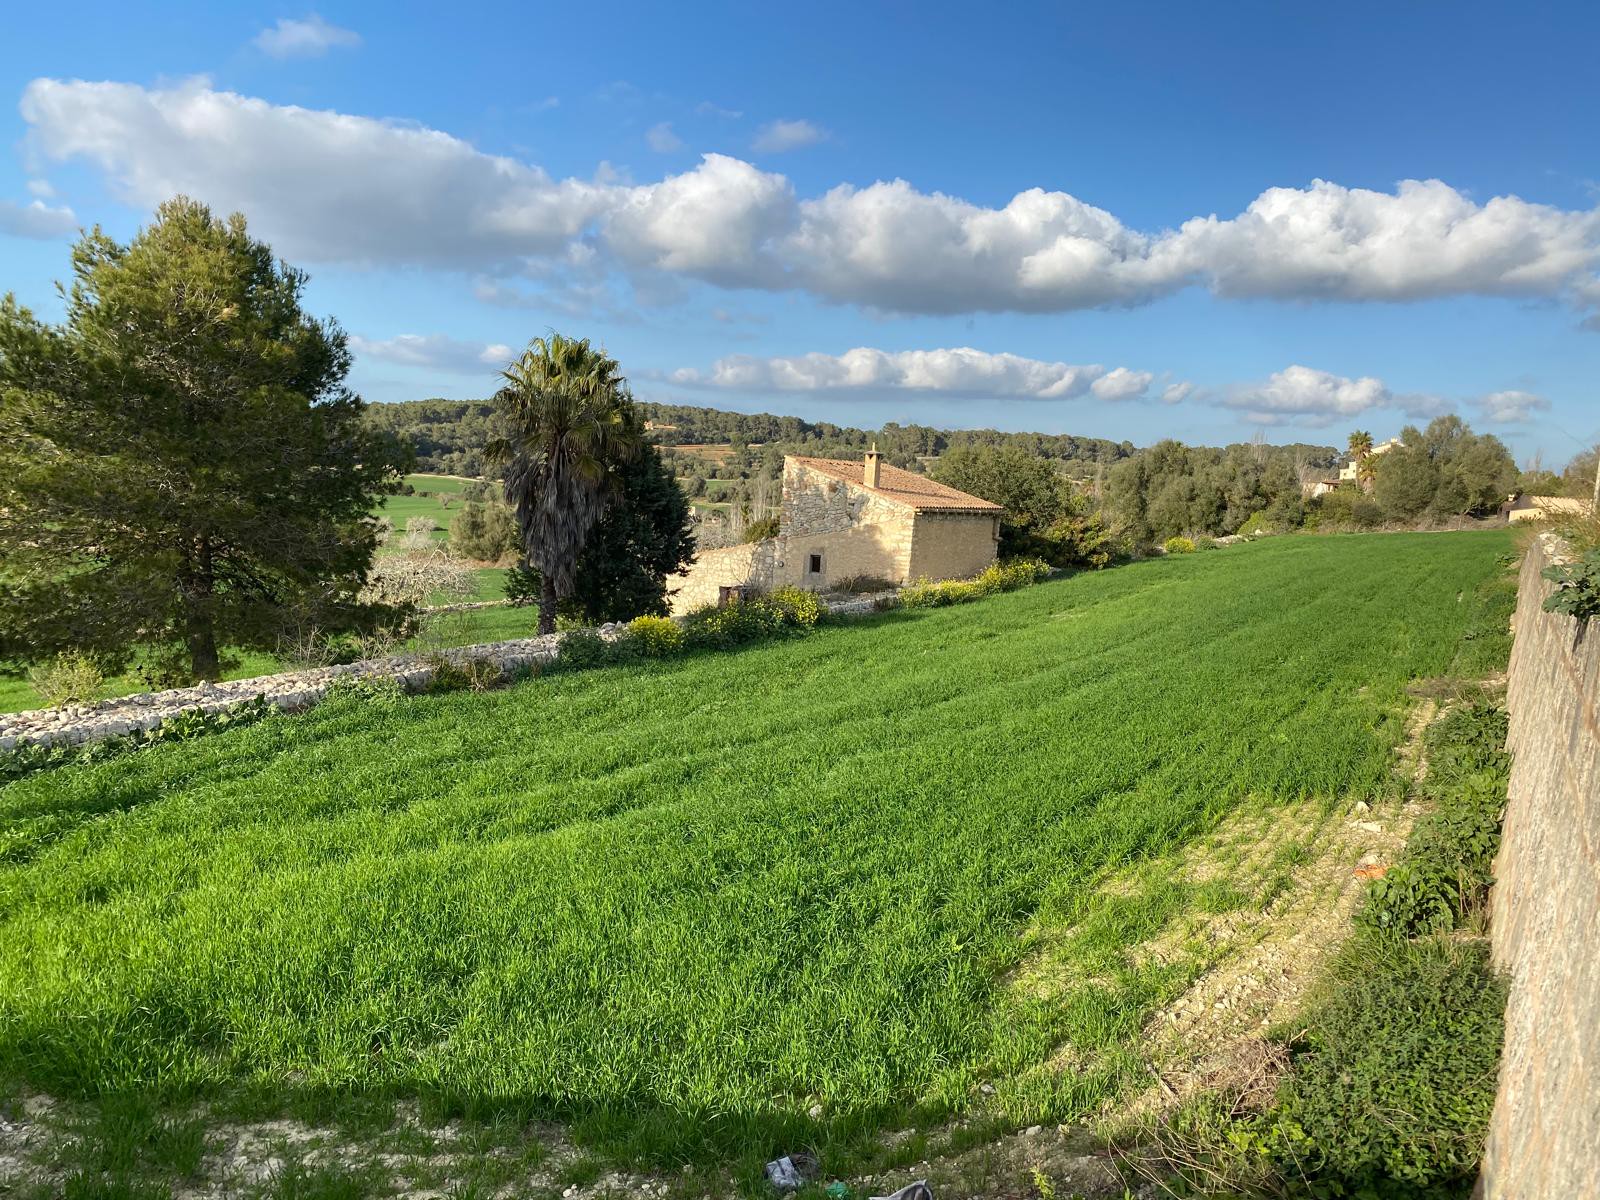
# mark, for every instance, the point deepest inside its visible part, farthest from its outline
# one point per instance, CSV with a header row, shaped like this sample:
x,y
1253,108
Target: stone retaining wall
x,y
1544,1140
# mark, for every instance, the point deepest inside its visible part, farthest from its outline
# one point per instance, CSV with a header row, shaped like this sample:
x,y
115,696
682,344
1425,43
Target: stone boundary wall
x,y
1544,1139
293,691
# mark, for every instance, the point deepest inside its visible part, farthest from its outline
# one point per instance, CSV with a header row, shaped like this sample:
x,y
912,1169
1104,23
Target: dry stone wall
x,y
1544,1140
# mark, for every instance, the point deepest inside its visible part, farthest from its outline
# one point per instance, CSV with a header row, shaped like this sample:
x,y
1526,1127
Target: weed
x,y
67,678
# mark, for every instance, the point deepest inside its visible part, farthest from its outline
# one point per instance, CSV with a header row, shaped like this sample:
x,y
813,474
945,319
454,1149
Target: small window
x,y
815,566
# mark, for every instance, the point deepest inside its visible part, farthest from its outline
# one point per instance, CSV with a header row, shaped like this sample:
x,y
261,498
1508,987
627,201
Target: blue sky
x,y
1128,220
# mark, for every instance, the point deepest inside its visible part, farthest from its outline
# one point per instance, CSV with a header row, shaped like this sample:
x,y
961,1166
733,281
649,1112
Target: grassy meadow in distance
x,y
729,886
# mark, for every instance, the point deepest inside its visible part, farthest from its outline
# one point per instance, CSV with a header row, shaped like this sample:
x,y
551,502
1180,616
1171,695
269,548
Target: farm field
x,y
726,904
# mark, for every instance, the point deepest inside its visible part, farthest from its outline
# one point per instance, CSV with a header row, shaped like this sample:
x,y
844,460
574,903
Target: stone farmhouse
x,y
842,519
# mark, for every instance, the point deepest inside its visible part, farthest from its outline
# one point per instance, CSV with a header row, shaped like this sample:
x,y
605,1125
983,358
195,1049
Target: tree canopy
x,y
182,467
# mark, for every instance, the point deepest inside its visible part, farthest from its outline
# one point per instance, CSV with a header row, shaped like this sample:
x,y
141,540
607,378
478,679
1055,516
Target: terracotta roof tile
x,y
903,487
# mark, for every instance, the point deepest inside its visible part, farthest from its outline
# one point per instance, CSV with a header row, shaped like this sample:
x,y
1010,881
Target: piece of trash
x,y
838,1190
791,1172
1371,871
912,1191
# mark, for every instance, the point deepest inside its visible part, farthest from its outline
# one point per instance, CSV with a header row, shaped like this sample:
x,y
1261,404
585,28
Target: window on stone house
x,y
814,564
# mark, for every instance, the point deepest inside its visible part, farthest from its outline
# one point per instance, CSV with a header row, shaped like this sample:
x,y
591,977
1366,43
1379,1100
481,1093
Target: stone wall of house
x,y
749,565
817,503
1545,908
953,545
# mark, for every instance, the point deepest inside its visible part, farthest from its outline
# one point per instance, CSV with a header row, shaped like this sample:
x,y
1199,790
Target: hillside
x,y
719,906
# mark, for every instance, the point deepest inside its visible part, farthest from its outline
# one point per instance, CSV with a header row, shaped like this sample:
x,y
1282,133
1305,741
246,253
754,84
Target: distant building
x,y
842,519
1351,471
1522,507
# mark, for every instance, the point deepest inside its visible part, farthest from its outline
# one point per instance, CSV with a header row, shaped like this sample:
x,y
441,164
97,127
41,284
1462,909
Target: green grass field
x,y
681,904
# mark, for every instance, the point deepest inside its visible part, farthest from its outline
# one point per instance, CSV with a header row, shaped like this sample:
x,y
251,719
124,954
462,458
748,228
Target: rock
x,y
1370,826
1363,807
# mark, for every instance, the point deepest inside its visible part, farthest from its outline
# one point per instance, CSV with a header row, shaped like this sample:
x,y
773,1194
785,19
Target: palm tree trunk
x,y
547,603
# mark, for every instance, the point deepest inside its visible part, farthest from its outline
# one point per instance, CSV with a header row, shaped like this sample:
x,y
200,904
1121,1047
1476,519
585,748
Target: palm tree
x,y
569,425
1361,455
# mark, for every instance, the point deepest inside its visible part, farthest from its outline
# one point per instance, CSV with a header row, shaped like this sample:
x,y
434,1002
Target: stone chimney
x,y
869,467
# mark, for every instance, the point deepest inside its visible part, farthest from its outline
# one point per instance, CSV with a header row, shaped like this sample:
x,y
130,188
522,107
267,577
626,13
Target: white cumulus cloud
x,y
434,350
36,219
1510,408
326,186
308,37
959,371
775,137
1315,397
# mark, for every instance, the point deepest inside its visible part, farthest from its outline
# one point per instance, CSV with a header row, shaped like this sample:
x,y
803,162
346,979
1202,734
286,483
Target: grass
x,y
679,905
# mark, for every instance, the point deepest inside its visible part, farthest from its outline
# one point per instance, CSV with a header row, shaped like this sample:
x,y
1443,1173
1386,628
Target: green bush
x,y
1258,525
485,530
1394,1077
733,624
1442,880
1178,545
1205,543
655,637
800,608
582,649
522,585
67,678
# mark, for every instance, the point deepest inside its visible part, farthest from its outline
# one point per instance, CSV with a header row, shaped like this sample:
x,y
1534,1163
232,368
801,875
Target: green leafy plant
x,y
1442,880
1577,587
1392,1085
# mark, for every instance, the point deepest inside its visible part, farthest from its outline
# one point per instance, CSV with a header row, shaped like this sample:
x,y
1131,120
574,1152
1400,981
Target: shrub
x,y
582,649
760,531
522,585
1077,540
1205,543
66,678
419,533
1394,1078
655,637
798,607
1258,525
461,674
1178,545
485,531
735,624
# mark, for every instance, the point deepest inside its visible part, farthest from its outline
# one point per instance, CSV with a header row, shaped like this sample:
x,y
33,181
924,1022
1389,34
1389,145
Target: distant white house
x,y
1522,507
1351,471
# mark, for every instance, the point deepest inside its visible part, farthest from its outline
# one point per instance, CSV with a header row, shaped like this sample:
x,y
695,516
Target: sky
x,y
1123,220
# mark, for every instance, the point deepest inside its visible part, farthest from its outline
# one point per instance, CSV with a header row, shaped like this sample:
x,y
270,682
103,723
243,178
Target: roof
x,y
903,487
